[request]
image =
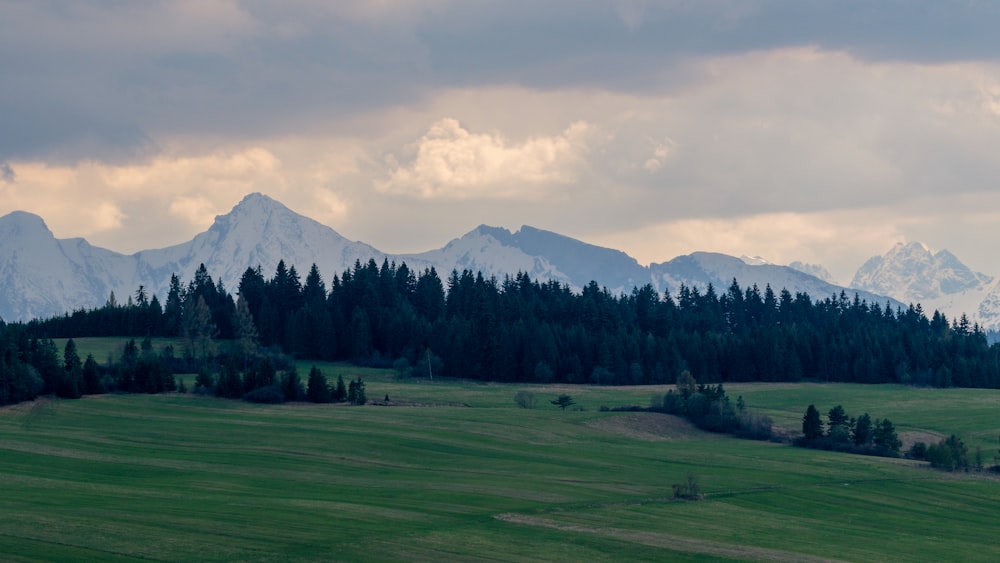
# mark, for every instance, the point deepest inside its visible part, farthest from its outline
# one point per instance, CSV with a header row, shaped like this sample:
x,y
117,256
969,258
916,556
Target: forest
x,y
512,330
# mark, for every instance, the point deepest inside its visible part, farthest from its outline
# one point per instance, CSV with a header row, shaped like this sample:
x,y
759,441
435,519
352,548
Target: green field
x,y
461,474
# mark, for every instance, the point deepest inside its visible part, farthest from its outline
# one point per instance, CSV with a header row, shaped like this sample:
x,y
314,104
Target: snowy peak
x,y
21,225
583,262
259,217
44,276
912,273
814,270
702,268
491,250
258,231
541,254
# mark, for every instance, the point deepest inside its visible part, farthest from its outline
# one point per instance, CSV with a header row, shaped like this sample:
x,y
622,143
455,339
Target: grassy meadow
x,y
461,474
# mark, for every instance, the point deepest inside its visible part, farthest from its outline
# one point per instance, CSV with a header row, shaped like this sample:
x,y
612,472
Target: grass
x,y
105,348
931,413
472,477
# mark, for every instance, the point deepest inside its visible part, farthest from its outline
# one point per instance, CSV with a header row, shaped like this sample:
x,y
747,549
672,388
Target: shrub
x,y
525,399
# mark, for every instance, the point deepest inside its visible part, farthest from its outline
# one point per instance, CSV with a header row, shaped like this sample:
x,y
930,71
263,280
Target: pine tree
x,y
199,330
812,426
91,376
245,331
173,311
885,438
863,430
71,383
356,392
318,391
340,391
291,385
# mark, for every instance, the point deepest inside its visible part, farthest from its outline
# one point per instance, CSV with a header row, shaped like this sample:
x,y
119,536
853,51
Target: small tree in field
x,y
356,392
525,399
563,401
689,490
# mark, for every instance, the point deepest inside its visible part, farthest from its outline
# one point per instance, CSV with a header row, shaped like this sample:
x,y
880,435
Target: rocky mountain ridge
x,y
44,276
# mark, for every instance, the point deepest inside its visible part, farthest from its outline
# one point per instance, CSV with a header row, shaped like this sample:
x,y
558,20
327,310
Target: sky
x,y
823,131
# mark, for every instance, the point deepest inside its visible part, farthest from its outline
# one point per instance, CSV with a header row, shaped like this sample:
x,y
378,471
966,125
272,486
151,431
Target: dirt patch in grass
x,y
656,539
24,407
416,404
910,438
649,426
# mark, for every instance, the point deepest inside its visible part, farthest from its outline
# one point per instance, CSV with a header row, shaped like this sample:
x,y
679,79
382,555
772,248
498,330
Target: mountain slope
x,y
702,268
541,254
938,281
44,276
910,272
259,231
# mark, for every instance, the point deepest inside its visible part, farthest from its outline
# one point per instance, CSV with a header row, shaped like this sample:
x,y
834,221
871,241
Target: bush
x,y
917,451
949,454
754,426
689,490
525,399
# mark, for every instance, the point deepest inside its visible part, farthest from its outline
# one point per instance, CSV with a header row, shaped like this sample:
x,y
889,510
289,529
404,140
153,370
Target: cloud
x,y
406,123
450,162
105,216
194,209
92,81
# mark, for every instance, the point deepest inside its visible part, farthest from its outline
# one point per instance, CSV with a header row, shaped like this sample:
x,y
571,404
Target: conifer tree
x,y
812,426
318,391
340,391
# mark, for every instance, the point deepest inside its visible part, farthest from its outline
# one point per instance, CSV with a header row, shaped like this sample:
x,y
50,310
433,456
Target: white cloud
x,y
196,210
450,162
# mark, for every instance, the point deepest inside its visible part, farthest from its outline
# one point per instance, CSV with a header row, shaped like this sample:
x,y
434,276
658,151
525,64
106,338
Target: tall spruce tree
x,y
812,426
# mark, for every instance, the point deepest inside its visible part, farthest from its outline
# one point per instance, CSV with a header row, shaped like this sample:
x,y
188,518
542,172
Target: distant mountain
x,y
938,281
541,254
41,275
44,276
815,270
259,231
702,268
910,272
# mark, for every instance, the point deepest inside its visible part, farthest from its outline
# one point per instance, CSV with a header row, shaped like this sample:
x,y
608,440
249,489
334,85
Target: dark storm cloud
x,y
97,80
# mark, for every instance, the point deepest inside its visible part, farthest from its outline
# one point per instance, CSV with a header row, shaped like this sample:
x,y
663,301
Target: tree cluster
x,y
709,408
848,434
520,330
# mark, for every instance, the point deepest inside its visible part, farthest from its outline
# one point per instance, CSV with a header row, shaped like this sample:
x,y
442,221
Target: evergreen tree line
x,y
522,330
951,454
30,367
848,434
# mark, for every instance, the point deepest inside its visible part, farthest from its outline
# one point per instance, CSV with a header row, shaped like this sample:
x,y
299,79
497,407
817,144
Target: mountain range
x,y
42,276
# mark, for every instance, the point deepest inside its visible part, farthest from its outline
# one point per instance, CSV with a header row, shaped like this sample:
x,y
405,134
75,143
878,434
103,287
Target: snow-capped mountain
x,y
911,272
541,254
43,276
702,268
815,270
938,281
259,231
